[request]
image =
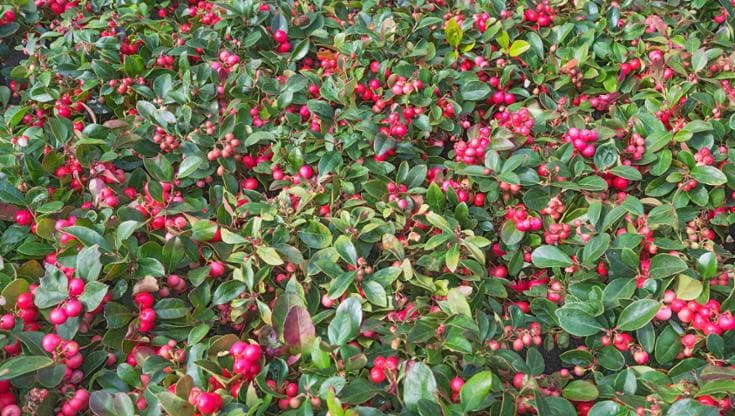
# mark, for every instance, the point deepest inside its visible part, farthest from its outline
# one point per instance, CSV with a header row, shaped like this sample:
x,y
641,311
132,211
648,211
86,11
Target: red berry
x,y
25,301
620,183
23,217
76,286
147,315
456,384
208,403
280,36
292,389
640,357
377,375
144,300
284,47
252,353
216,269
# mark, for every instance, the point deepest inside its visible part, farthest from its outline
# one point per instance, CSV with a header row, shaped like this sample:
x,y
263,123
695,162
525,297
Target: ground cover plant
x,y
246,207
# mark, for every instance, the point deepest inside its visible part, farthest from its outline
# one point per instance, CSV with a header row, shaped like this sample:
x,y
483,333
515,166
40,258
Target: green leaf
x,y
124,230
227,292
315,235
518,47
339,285
457,303
708,175
159,168
691,407
503,39
627,172
592,183
699,60
328,163
610,358
580,391
117,315
439,222
88,236
535,361
8,29
474,91
188,166
707,265
453,33
171,308
510,234
578,322
667,346
300,50
550,256
638,314
174,405
418,385
231,238
203,230
610,83
134,65
346,322
334,407
103,403
596,247
435,198
475,390
269,255
606,154
452,258
346,249
321,108
687,288
375,293
18,366
665,265
94,293
198,333
10,194
88,263
386,276
605,408
151,266
53,288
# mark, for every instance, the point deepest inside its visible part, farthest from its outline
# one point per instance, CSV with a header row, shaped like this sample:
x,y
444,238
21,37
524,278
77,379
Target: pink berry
x,y
76,286
7,322
73,308
57,316
50,342
306,171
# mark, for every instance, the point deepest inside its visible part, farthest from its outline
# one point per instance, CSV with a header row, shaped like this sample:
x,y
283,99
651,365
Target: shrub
x,y
366,208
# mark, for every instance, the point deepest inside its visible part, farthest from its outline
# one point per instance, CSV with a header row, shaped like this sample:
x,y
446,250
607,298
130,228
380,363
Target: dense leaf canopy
x,y
246,207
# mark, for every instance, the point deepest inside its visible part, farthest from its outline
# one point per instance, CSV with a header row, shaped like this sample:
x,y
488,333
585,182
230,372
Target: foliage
x,y
366,208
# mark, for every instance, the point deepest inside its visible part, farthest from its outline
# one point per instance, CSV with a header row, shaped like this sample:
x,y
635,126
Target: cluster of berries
x,y
582,140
